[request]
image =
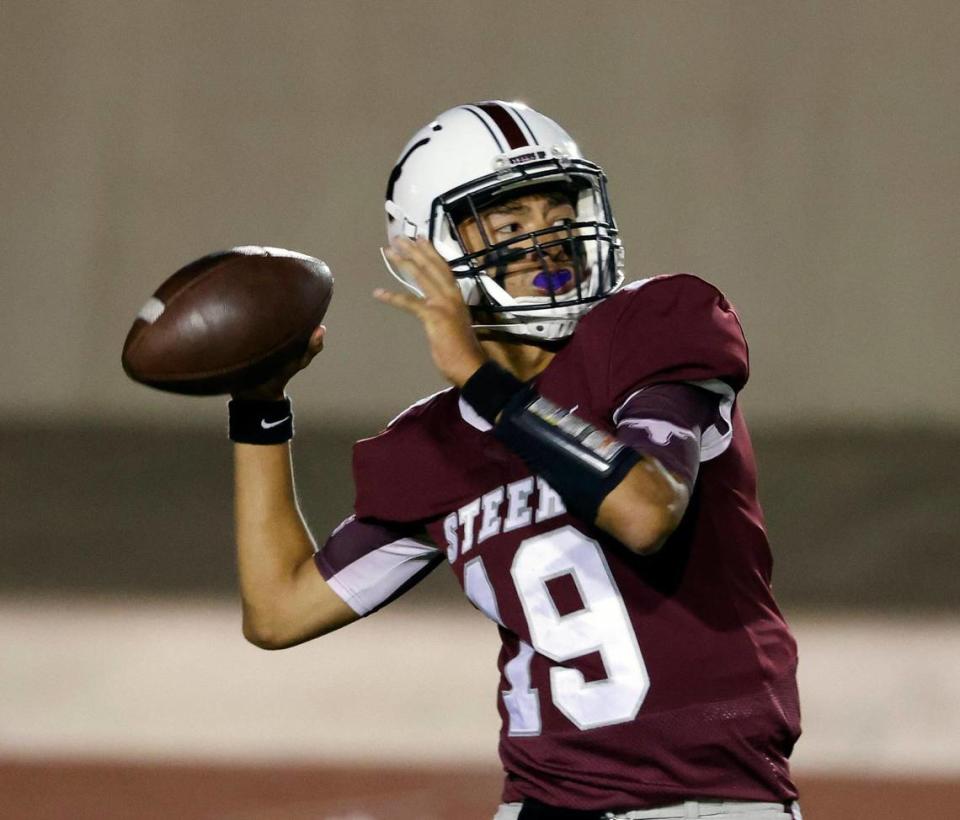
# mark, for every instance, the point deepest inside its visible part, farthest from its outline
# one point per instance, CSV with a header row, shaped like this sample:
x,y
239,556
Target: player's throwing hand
x,y
274,389
446,319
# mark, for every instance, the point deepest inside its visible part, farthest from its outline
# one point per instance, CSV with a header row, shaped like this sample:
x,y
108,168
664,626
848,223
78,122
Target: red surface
x,y
62,790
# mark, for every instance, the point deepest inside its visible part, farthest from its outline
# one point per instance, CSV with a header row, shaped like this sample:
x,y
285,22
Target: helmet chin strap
x,y
497,294
553,327
559,323
558,329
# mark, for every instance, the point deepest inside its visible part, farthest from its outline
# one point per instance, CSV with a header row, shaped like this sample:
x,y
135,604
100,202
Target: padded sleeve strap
x,y
581,462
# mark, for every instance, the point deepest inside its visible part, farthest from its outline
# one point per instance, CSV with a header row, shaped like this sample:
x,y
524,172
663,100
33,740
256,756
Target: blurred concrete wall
x,y
801,155
856,521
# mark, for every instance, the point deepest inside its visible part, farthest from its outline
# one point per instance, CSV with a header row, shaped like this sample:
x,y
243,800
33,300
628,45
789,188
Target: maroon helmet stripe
x,y
505,123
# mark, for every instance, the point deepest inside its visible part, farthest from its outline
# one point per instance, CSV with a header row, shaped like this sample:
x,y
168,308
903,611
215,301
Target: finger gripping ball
x,y
227,321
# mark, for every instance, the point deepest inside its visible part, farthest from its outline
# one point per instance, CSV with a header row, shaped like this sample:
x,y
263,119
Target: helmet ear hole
x,y
394,211
395,215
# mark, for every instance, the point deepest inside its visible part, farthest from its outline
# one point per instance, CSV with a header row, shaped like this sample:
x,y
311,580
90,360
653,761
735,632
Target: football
x,y
227,321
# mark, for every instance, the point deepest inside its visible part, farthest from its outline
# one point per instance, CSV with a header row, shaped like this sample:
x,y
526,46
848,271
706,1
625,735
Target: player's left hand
x,y
446,319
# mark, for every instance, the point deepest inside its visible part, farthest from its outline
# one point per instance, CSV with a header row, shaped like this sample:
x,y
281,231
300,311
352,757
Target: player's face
x,y
539,271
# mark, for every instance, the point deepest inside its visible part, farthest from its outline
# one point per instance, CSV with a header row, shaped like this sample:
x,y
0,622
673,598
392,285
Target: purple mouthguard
x,y
552,280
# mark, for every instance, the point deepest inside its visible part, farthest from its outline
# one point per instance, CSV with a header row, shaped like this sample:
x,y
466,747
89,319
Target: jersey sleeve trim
x,y
368,566
714,439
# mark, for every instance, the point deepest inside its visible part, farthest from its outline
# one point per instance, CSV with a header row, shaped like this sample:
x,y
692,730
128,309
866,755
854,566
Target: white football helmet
x,y
474,155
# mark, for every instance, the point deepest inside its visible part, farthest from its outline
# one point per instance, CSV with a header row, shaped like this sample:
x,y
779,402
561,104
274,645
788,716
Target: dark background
x,y
863,520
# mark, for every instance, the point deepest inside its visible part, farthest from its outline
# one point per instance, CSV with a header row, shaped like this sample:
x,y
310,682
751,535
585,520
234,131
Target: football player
x,y
588,477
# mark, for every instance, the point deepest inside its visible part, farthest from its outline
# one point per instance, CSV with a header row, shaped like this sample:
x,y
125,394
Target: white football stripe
x,y
152,310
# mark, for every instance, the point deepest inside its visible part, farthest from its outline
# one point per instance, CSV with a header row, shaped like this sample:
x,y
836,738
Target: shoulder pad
x,y
676,327
413,469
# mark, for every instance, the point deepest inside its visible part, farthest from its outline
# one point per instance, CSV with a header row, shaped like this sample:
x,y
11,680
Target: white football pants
x,y
712,809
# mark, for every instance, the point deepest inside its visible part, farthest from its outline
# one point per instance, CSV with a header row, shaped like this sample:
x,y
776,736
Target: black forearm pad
x,y
582,463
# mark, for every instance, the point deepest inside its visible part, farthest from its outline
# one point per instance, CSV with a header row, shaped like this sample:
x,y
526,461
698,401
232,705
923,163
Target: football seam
x,y
197,279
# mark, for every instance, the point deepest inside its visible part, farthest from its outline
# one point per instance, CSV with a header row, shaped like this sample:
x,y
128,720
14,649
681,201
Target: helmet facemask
x,y
580,261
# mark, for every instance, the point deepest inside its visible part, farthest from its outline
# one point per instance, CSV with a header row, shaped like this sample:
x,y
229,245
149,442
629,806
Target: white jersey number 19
x,y
602,625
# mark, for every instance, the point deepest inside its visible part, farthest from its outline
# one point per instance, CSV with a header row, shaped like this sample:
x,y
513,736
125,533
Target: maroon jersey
x,y
626,681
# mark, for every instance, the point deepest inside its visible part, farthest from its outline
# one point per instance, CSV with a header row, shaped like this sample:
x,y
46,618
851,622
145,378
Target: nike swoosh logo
x,y
266,425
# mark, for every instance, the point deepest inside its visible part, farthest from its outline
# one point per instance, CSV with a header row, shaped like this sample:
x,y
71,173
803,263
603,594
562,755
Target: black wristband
x,y
489,389
260,422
